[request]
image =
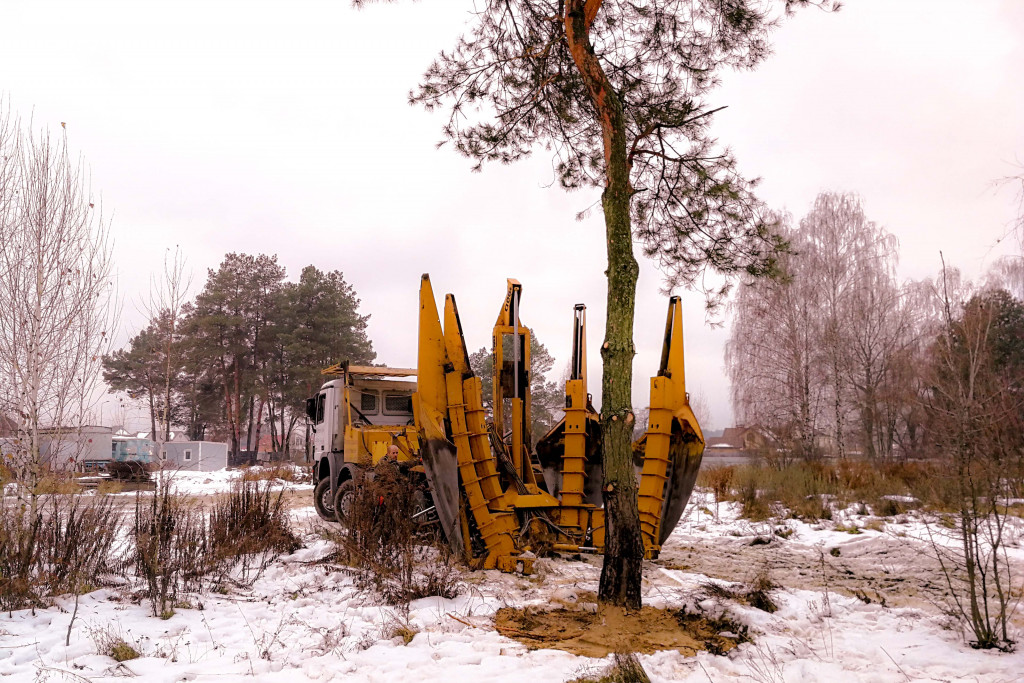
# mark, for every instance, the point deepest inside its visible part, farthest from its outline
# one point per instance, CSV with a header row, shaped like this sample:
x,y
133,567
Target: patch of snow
x,y
900,499
304,621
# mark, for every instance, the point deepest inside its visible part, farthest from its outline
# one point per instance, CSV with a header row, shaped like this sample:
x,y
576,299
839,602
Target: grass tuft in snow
x,y
756,593
112,643
625,669
401,629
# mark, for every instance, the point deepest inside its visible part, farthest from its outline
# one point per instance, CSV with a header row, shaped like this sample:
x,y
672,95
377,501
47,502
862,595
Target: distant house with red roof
x,y
742,441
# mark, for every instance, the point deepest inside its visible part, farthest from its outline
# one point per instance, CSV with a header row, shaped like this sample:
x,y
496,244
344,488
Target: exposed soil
x,y
889,570
593,633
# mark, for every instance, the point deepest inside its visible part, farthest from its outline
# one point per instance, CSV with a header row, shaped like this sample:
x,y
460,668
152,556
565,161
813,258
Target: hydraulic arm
x,y
501,499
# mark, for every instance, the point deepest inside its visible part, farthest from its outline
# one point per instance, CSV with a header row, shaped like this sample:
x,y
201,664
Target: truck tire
x,y
343,500
323,501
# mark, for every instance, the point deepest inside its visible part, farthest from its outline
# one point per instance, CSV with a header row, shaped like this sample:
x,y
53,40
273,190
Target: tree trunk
x,y
167,384
272,421
287,434
837,387
624,550
248,428
259,423
152,413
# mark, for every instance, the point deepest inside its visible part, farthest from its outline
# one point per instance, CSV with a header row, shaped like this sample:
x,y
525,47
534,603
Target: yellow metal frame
x,y
448,408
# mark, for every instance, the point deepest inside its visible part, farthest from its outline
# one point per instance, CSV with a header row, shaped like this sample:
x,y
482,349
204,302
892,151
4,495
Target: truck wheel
x,y
343,500
323,501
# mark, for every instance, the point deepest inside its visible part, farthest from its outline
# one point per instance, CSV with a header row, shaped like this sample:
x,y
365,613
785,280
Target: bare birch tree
x,y
773,355
841,245
168,294
834,333
1007,273
57,307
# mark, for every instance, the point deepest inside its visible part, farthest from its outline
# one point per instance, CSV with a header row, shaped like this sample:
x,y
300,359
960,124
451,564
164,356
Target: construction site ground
x,y
862,606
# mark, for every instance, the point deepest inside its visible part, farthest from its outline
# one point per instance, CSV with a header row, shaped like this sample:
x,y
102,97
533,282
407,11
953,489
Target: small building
x,y
83,448
738,444
132,449
194,456
8,427
86,448
176,435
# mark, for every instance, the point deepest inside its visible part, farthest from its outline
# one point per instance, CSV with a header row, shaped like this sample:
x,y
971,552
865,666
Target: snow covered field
x,y
306,621
207,483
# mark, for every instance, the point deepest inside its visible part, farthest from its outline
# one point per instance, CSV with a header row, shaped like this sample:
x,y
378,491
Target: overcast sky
x,y
283,128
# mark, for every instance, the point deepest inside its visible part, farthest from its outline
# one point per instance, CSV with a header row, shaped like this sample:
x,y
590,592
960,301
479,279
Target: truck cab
x,y
356,420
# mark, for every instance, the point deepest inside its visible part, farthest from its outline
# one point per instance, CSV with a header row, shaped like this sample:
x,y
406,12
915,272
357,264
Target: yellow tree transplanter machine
x,y
499,499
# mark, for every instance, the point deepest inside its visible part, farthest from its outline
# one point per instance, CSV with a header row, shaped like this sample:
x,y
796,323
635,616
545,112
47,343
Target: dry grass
x,y
719,480
56,483
52,546
813,491
285,472
399,628
625,669
109,486
112,643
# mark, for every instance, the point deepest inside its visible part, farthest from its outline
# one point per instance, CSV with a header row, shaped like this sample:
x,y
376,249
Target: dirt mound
x,y
609,630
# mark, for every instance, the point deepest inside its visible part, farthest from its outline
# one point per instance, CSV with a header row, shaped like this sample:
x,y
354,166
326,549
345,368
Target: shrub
x,y
53,546
175,546
169,546
249,529
380,539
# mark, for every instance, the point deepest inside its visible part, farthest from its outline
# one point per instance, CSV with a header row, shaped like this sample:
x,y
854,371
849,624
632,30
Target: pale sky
x,y
283,128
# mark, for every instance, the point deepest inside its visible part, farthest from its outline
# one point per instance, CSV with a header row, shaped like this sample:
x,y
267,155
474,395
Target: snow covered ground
x,y
220,481
307,621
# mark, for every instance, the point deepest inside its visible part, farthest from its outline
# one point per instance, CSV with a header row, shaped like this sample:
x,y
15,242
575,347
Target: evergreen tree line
x,y
840,357
243,355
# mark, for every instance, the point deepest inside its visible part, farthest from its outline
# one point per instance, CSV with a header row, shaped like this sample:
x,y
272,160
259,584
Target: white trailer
x,y
194,456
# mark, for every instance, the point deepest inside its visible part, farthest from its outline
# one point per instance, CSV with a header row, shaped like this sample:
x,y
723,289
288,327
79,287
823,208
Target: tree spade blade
x,y
442,469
